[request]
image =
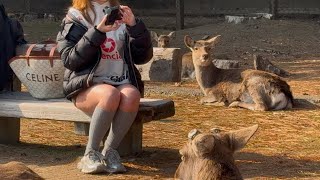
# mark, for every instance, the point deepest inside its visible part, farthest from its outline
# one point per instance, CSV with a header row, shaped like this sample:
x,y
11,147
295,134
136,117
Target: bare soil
x,y
287,143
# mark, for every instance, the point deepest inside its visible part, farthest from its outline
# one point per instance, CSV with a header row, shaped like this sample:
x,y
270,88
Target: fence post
x,y
274,8
180,14
28,6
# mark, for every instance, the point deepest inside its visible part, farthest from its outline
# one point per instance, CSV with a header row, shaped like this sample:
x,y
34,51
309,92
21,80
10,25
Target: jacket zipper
x,y
91,74
131,62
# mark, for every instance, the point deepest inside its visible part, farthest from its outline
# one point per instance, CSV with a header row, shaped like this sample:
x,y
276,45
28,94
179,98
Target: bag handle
x,y
51,54
29,52
53,49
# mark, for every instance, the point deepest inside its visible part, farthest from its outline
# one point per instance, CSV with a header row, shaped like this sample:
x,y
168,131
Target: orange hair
x,y
84,6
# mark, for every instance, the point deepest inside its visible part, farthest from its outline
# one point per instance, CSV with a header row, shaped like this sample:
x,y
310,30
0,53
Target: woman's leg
x,y
101,102
127,111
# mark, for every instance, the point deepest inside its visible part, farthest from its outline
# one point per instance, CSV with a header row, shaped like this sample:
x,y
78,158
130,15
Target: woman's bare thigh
x,y
103,95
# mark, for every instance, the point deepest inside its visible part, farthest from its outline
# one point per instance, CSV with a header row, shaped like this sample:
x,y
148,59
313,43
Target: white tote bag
x,y
41,74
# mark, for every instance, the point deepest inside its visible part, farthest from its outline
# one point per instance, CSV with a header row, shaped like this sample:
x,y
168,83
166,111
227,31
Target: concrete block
x,y
165,66
226,64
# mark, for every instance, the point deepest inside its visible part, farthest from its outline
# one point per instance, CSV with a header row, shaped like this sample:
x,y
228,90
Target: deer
x,y
209,155
187,70
163,40
245,88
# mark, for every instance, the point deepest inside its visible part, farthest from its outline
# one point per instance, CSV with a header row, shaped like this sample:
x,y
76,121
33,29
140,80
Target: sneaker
x,y
113,163
92,163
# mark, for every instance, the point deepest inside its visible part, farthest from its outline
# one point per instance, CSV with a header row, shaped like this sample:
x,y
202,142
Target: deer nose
x,y
205,56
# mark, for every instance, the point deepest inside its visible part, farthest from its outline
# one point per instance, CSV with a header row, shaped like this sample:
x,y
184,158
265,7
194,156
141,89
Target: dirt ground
x,y
286,145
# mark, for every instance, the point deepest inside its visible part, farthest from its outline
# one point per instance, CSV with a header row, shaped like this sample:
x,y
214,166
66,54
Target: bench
x,y
16,105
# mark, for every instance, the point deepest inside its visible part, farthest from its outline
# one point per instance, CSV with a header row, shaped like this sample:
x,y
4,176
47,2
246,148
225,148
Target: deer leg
x,y
247,106
210,100
259,98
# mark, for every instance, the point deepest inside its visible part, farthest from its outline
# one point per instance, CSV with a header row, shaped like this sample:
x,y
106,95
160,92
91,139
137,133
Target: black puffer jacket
x,y
80,52
11,35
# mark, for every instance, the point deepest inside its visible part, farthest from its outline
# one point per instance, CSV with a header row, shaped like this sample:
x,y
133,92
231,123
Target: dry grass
x,y
286,146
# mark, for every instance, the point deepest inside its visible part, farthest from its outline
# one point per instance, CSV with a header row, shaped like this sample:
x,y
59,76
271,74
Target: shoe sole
x,y
115,171
95,170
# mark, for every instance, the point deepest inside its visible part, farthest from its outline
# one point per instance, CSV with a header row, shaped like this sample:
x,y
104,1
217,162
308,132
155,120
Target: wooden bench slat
x,y
22,105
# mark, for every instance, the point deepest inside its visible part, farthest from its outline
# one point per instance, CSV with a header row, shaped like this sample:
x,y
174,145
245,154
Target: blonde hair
x,y
84,6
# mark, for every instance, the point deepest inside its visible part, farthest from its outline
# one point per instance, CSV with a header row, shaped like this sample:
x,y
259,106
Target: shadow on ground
x,y
162,162
257,165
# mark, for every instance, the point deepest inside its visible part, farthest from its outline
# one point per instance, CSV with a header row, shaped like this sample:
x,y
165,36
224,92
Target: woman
x,y
100,76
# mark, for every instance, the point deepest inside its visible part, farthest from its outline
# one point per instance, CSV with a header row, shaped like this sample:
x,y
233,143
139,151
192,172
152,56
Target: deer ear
x,y
154,35
214,40
172,35
238,139
189,42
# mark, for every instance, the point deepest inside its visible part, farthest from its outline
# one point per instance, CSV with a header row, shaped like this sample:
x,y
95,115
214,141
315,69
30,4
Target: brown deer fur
x,y
187,69
250,89
209,156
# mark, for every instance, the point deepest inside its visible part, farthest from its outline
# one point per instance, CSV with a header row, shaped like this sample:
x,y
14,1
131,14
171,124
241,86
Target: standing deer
x,y
250,89
209,156
163,40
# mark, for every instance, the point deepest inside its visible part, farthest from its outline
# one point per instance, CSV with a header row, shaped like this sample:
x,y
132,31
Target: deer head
x,y
201,49
210,155
163,40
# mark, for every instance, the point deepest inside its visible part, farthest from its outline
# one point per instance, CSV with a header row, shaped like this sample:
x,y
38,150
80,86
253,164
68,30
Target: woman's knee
x,y
130,100
109,97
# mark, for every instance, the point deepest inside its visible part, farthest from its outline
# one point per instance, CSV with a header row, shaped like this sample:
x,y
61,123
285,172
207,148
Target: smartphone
x,y
113,14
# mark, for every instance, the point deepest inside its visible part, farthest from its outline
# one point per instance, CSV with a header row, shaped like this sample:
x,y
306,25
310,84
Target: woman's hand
x,y
106,28
127,16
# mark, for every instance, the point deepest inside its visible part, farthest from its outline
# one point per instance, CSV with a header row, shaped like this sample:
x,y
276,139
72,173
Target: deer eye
x,y
215,130
196,48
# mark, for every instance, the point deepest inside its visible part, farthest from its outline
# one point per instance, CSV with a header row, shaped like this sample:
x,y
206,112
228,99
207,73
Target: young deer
x,y
250,89
210,155
163,40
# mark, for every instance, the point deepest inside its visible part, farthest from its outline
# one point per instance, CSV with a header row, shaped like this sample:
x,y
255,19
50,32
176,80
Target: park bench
x,y
15,105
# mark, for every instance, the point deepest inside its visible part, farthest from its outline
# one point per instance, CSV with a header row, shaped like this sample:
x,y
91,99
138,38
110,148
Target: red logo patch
x,y
109,45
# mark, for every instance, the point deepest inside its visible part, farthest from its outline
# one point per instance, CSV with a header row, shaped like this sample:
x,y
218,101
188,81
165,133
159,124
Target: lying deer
x,y
209,156
187,69
163,40
250,89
